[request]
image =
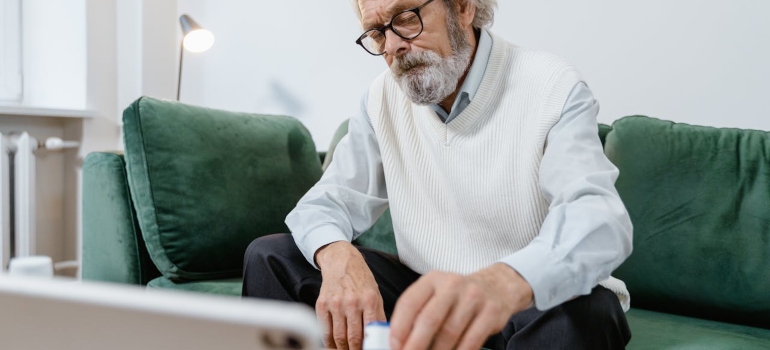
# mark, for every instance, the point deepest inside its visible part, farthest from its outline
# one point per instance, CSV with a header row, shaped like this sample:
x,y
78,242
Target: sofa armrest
x,y
113,248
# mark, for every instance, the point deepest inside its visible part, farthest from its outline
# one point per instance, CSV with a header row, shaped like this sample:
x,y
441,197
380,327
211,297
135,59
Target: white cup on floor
x,y
33,266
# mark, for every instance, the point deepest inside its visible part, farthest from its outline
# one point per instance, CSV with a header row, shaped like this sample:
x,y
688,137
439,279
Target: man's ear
x,y
466,10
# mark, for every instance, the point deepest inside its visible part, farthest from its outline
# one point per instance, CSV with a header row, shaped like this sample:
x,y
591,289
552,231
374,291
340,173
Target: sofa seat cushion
x,y
205,182
231,287
652,330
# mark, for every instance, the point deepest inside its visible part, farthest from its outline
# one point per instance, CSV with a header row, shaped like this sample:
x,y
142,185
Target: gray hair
x,y
485,11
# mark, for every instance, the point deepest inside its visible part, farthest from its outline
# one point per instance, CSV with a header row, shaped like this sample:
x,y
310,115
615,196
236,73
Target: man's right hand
x,y
349,297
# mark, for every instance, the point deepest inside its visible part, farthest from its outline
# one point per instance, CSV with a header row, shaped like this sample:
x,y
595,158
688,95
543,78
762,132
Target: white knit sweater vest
x,y
464,195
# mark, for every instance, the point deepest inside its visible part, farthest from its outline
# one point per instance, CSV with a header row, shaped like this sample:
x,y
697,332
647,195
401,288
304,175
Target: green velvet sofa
x,y
196,185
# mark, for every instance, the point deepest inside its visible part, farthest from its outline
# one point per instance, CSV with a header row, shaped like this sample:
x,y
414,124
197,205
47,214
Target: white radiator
x,y
17,192
5,203
24,194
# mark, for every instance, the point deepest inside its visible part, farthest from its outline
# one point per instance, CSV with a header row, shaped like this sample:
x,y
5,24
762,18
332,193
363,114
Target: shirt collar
x,y
472,79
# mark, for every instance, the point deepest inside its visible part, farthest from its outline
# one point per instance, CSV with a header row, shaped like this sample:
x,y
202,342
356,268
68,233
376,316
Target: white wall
x,y
10,51
701,62
695,61
159,48
284,57
54,48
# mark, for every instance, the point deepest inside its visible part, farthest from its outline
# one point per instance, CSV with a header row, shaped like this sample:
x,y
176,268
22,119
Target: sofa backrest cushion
x,y
341,131
205,183
604,129
699,199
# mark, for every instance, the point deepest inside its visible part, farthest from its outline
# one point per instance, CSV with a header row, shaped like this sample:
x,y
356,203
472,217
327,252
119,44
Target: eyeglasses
x,y
407,25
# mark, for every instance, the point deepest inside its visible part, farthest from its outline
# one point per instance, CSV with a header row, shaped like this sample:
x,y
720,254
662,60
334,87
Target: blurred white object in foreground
x,y
66,315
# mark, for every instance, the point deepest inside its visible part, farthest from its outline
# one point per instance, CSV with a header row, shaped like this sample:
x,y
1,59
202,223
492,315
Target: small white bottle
x,y
376,336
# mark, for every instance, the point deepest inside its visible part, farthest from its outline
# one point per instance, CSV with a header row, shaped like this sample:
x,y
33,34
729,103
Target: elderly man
x,y
506,218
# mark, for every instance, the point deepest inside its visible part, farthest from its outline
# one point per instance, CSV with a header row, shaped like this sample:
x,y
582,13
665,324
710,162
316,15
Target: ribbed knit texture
x,y
464,195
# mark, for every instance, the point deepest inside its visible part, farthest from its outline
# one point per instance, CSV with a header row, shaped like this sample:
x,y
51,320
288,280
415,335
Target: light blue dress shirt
x,y
585,236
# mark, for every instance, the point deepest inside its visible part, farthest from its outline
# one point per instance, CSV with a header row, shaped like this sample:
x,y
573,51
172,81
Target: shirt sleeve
x,y
350,196
587,232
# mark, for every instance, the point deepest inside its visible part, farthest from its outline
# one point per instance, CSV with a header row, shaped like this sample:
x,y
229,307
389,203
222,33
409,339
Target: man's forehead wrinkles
x,y
384,10
398,6
371,11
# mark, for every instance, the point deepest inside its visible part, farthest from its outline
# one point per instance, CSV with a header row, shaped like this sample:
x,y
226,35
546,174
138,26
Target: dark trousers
x,y
274,268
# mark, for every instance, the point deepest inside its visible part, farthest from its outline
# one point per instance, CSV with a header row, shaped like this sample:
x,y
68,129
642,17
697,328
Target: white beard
x,y
427,78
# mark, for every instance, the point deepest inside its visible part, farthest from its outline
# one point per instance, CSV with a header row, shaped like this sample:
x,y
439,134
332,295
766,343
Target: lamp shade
x,y
195,38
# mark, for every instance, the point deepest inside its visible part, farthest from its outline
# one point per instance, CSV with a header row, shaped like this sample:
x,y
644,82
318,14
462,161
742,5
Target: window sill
x,y
46,112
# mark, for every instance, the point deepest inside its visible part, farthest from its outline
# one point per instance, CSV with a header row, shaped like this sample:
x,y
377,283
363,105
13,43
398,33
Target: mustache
x,y
412,60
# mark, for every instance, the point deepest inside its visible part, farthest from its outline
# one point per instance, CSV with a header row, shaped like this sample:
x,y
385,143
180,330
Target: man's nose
x,y
395,45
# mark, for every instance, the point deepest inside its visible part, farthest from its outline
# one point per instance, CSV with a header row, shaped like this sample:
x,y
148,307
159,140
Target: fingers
x,y
417,311
444,311
362,311
333,323
406,310
355,329
430,319
373,308
459,319
339,330
349,294
343,320
478,331
325,321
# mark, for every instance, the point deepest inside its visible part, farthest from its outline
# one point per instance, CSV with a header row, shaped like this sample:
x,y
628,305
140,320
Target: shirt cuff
x,y
549,278
318,238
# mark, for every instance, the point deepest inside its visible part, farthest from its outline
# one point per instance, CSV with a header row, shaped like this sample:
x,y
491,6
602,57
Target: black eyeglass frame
x,y
384,28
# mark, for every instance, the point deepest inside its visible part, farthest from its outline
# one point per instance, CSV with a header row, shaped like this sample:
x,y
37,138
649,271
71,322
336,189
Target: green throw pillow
x,y
206,183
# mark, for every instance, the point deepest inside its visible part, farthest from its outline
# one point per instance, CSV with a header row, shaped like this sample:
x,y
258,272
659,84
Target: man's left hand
x,y
445,310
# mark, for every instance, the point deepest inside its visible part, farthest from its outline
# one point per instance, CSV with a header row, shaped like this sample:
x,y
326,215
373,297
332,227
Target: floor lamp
x,y
194,39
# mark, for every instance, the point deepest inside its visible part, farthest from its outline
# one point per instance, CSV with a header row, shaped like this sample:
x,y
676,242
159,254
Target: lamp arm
x,y
179,77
